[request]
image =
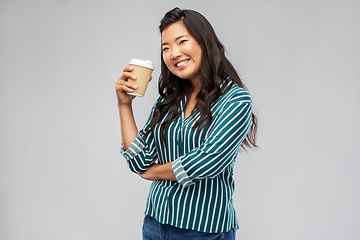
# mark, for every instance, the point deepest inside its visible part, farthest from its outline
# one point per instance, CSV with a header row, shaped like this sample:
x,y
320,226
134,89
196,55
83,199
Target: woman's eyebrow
x,y
175,39
181,37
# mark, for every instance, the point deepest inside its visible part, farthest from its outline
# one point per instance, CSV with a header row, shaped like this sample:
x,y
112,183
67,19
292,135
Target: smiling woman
x,y
182,56
182,53
188,147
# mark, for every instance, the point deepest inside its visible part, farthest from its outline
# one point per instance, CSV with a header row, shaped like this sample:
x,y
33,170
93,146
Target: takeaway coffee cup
x,y
142,70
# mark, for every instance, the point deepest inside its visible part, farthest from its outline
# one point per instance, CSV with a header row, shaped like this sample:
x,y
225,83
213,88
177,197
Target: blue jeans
x,y
153,230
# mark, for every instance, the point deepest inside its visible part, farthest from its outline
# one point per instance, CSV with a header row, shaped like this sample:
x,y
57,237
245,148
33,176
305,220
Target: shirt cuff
x,y
135,148
180,173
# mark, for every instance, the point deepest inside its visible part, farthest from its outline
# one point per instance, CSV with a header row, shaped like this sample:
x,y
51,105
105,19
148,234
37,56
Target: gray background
x,y
61,174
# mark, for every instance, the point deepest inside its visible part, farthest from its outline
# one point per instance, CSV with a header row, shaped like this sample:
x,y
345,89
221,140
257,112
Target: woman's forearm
x,y
128,126
159,172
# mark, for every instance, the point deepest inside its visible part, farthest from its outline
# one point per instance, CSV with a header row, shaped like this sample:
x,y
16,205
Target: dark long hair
x,y
214,68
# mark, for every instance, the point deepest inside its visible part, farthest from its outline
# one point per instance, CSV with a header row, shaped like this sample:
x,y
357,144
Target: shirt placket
x,y
180,138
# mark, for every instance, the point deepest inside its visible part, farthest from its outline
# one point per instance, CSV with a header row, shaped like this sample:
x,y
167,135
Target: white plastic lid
x,y
142,63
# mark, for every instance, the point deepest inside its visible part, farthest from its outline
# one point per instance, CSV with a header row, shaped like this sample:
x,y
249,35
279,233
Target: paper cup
x,y
142,70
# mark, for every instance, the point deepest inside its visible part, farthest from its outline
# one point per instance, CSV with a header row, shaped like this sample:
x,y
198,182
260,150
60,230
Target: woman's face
x,y
181,52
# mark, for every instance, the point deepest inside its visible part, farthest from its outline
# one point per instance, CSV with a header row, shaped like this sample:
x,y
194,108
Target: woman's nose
x,y
175,53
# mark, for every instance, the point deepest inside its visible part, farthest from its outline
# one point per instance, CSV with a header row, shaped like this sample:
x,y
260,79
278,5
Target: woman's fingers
x,y
123,85
129,88
127,73
127,69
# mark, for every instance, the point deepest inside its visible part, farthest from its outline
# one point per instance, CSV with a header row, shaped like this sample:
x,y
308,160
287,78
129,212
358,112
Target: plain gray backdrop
x,y
61,174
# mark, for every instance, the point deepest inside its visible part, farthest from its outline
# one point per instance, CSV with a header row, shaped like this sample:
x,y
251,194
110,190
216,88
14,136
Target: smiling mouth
x,y
182,63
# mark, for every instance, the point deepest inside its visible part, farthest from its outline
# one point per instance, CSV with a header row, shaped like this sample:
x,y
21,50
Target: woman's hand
x,y
123,86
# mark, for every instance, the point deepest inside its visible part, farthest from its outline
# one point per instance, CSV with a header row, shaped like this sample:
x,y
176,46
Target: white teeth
x,y
182,63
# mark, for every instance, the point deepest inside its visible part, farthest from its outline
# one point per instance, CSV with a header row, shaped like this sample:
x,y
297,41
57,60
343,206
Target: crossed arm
x,y
207,160
159,171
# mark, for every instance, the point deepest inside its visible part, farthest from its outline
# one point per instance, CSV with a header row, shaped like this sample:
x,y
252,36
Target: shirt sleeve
x,y
142,153
221,146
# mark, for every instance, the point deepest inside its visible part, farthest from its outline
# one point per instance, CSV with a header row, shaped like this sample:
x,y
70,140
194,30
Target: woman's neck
x,y
196,86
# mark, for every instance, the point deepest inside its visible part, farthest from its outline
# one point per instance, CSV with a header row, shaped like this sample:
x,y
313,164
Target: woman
x,y
197,126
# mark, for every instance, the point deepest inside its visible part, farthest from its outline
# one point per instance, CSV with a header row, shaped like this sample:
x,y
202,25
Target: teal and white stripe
x,y
203,163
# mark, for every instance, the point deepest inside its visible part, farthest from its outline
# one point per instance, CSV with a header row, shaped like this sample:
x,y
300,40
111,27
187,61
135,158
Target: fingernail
x,y
135,86
134,77
131,90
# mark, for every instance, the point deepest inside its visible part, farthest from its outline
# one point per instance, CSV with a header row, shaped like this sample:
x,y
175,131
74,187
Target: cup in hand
x,y
142,70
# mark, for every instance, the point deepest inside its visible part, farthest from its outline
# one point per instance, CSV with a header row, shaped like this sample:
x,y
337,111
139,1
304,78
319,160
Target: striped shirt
x,y
203,162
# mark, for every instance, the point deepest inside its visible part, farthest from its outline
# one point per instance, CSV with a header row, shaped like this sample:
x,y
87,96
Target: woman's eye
x,y
182,41
165,48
